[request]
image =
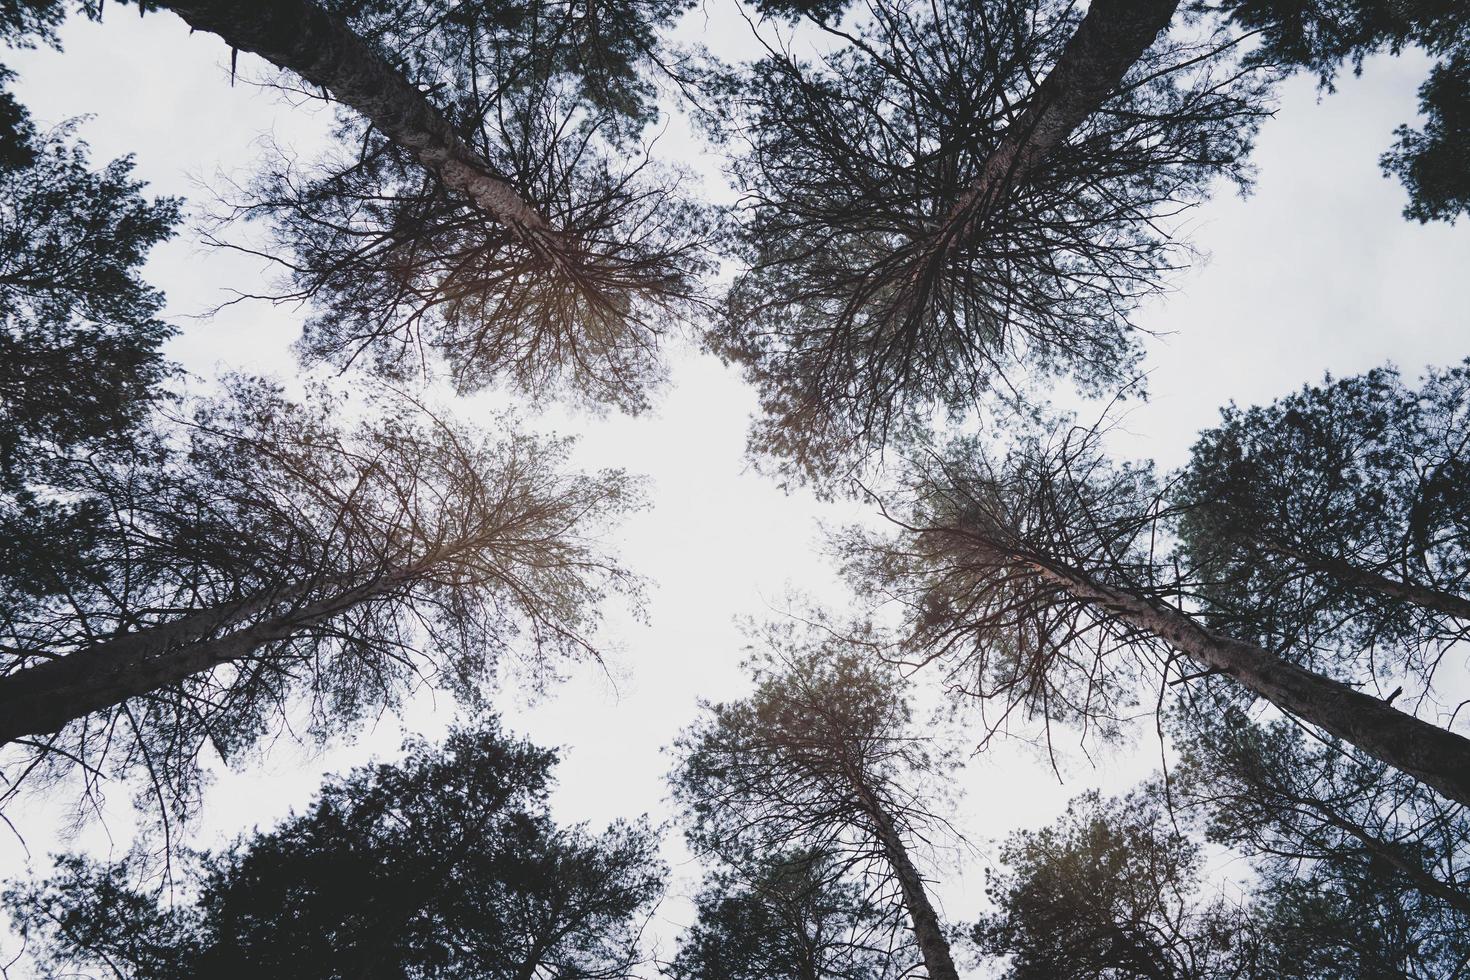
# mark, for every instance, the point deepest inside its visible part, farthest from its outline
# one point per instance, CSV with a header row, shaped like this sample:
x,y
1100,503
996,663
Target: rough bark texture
x,y
1110,38
43,699
299,36
1435,756
933,947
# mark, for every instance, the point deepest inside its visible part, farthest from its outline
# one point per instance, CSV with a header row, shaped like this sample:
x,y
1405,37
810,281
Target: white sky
x,y
1316,271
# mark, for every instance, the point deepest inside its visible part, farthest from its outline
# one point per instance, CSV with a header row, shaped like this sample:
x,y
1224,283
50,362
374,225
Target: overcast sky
x,y
1316,271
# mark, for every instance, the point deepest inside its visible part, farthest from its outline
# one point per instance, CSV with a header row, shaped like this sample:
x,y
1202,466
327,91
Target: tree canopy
x,y
941,210
444,864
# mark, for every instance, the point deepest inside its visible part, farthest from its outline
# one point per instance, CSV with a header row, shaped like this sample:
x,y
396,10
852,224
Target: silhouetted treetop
x,y
1336,521
789,916
271,559
445,864
1111,890
941,195
822,757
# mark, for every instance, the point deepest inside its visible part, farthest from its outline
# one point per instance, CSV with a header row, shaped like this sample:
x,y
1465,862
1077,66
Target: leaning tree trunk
x,y
1111,37
1421,879
933,947
320,47
43,699
1435,756
1349,574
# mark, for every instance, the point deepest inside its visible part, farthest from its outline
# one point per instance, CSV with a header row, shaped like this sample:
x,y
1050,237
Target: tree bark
x,y
933,947
1111,37
300,36
43,699
1435,756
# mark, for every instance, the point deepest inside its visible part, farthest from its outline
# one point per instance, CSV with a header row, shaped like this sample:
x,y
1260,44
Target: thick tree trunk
x,y
1435,756
299,36
933,947
1110,38
42,699
1347,573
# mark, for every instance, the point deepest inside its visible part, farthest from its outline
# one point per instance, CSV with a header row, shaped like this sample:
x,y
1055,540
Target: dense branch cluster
x,y
889,271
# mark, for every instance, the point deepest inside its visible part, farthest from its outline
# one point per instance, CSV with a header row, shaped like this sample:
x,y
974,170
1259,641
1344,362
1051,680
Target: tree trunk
x,y
1111,37
299,36
1347,573
933,947
42,699
1413,870
1433,755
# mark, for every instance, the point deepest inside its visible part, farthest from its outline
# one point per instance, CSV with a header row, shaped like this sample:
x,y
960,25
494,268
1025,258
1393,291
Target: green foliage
x,y
1295,517
1363,871
789,917
1108,891
1115,888
446,864
1323,35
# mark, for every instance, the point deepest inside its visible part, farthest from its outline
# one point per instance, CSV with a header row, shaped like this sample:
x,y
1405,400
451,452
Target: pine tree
x,y
1037,572
489,202
950,192
445,864
268,559
822,757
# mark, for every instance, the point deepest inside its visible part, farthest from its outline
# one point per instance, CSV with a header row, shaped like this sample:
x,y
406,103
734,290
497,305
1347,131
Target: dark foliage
x,y
1109,892
80,366
850,318
446,864
266,559
788,917
1321,36
1364,870
1334,524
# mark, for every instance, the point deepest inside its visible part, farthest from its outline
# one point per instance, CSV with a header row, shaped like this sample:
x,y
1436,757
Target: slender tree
x,y
488,201
822,756
445,864
787,917
1034,571
954,190
265,555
